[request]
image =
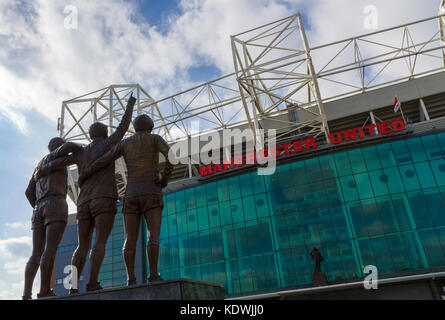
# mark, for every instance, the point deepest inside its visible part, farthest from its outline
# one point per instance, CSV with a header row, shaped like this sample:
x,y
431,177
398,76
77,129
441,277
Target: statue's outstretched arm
x,y
119,133
57,164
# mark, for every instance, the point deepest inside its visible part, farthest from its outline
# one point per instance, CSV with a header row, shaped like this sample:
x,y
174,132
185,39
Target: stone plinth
x,y
175,289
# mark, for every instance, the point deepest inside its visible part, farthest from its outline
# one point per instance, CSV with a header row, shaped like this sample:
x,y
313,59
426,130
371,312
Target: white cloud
x,y
14,253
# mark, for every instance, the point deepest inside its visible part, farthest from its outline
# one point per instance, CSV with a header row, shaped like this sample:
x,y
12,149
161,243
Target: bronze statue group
x,y
97,201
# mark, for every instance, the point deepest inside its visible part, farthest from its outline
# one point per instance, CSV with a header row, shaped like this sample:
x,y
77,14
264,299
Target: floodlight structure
x,y
273,65
276,72
442,26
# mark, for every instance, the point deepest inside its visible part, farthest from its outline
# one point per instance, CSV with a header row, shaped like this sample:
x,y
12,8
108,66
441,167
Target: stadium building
x,y
359,145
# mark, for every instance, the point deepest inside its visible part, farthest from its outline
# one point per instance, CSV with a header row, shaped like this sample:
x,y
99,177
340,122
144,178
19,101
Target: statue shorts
x,y
142,204
92,208
49,210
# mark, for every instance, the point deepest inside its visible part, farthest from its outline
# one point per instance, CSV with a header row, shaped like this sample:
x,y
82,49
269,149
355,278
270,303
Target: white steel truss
x,y
274,68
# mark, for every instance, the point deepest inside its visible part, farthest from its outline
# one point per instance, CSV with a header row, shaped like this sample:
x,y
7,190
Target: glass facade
x,y
379,205
112,272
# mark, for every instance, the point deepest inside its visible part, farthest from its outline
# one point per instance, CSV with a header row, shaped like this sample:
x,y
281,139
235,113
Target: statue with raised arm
x,y
47,196
143,195
96,204
319,278
316,256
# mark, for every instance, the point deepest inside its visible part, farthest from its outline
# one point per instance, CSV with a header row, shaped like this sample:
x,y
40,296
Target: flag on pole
x,y
397,103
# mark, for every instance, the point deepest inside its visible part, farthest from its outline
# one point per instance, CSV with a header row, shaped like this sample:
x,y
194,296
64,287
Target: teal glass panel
x,y
409,177
419,209
246,185
433,250
366,252
164,228
402,211
181,219
343,164
371,215
416,149
313,169
371,158
349,188
401,152
358,219
441,140
299,173
192,221
379,182
432,147
340,224
214,216
393,180
438,167
171,204
225,213
212,195
363,185
174,252
249,208
357,161
180,200
234,190
257,182
328,168
382,256
386,155
223,190
441,236
217,245
387,215
436,206
190,199
414,250
205,247
281,232
200,193
425,175
261,205
203,218
172,225
236,207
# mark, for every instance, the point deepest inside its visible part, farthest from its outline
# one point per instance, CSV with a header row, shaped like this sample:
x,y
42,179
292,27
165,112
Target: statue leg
x,y
132,223
54,233
153,219
104,224
38,245
85,232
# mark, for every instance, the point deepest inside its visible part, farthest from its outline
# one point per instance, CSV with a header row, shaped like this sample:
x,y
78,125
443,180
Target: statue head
x,y
143,123
54,143
98,131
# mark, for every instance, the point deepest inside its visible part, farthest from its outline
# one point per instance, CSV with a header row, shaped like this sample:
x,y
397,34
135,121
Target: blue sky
x,y
159,44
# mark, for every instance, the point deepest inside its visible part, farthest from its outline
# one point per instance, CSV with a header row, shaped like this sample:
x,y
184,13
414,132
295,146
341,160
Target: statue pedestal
x,y
319,279
175,289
